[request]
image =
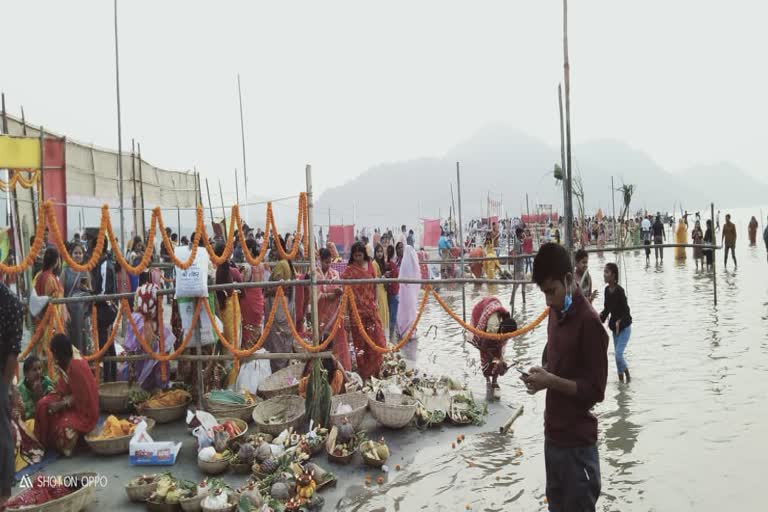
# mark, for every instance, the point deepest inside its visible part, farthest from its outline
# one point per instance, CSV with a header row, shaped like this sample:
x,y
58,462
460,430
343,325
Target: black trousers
x,y
573,478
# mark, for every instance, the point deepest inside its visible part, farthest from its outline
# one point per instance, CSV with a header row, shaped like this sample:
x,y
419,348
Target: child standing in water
x,y
582,278
620,321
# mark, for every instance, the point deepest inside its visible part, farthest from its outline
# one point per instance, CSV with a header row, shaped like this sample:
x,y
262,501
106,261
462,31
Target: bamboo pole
x,y
119,136
566,234
567,173
223,211
141,190
461,242
237,189
312,256
133,182
508,424
210,204
242,138
714,254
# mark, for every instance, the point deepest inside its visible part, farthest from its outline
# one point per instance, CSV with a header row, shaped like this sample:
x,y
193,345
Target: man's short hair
x,y
551,262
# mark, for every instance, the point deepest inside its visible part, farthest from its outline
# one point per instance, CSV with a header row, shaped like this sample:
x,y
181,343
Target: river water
x,y
684,435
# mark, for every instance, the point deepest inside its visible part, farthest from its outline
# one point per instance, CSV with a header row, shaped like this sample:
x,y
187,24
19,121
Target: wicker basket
x,y
279,382
113,396
358,402
141,493
291,407
163,507
166,414
330,444
212,467
395,412
243,412
231,508
193,504
74,502
112,445
241,424
375,463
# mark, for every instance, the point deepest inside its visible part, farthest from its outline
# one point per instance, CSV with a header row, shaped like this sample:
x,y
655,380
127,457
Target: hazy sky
x,y
344,85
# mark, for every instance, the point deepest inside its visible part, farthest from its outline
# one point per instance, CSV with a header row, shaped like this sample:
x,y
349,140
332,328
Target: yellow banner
x,y
19,152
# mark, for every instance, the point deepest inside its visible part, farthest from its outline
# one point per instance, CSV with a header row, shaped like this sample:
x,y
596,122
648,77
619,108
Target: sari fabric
x,y
368,360
62,429
382,301
252,305
280,337
484,313
46,283
327,310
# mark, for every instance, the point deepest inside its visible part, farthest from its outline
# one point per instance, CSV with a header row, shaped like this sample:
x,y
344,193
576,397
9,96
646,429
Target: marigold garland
x,y
33,251
337,326
47,217
264,333
184,342
199,230
61,246
100,351
393,348
482,334
42,324
17,178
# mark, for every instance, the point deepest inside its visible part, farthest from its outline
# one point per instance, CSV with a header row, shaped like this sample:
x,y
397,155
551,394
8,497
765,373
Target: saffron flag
x,y
342,237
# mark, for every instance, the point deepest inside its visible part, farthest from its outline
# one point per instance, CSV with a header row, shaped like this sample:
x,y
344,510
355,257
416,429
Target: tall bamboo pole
x,y
134,199
237,189
312,256
242,138
119,136
714,254
223,211
210,204
461,243
566,231
141,190
567,174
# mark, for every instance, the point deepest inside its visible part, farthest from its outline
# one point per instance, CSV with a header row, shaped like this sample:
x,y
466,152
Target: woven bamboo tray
x,y
330,444
243,412
141,493
279,383
193,504
113,396
166,414
359,404
395,412
375,463
290,407
113,445
74,502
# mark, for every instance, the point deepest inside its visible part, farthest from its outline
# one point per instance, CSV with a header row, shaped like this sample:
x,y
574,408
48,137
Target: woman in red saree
x,y
328,302
72,409
252,299
360,267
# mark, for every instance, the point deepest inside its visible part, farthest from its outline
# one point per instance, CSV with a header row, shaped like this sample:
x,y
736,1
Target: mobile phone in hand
x,y
522,373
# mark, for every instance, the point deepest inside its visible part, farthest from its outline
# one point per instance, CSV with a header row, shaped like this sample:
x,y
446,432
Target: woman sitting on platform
x,y
72,409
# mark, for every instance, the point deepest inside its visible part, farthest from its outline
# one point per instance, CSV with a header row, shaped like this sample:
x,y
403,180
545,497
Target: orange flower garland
x,y
394,348
199,231
61,246
264,333
33,251
184,342
337,326
489,336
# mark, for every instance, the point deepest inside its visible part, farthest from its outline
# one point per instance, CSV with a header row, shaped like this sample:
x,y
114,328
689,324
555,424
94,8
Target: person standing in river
x,y
659,237
616,306
574,373
752,232
645,231
729,240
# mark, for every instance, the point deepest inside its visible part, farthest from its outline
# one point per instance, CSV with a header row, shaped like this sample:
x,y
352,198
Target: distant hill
x,y
509,163
725,183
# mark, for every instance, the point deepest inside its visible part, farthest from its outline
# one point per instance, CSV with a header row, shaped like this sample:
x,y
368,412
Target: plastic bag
x,y
253,373
192,282
204,438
